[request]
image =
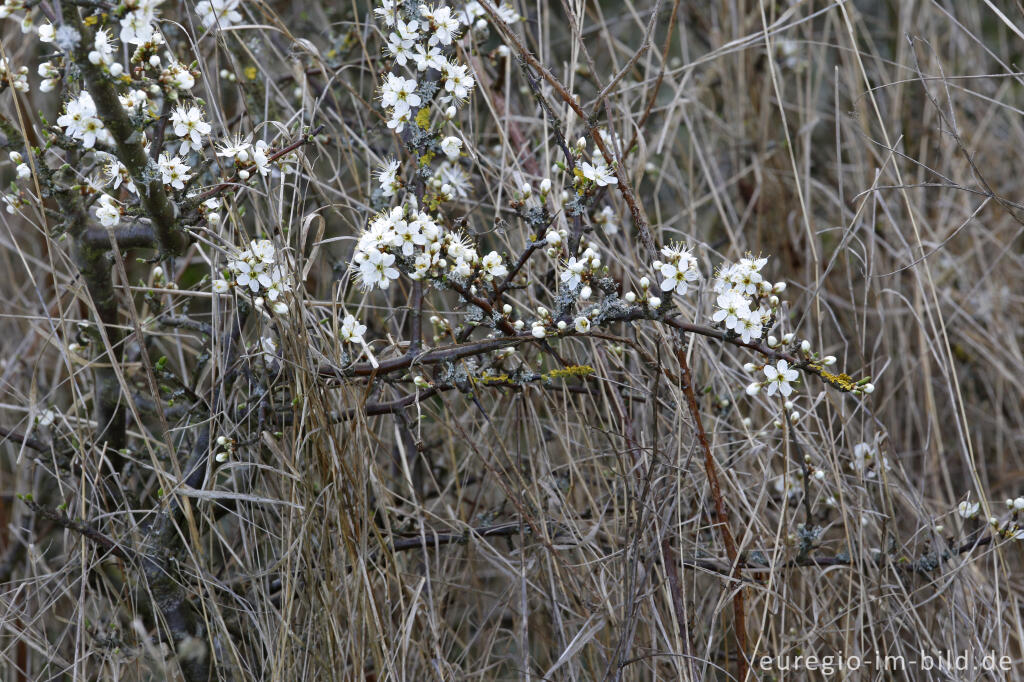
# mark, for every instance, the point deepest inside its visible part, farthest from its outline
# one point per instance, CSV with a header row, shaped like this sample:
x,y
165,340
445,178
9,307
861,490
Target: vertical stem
x,y
108,407
721,513
416,330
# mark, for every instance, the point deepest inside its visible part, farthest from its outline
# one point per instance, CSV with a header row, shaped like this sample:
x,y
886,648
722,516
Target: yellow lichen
x,y
423,118
841,381
580,371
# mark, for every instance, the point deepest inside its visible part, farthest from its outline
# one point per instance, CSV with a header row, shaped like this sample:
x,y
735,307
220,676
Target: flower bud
x,y
545,186
749,367
586,292
868,388
772,342
829,360
116,69
518,325
753,389
805,346
538,331
654,302
420,382
787,338
630,297
645,283
222,441
507,309
779,287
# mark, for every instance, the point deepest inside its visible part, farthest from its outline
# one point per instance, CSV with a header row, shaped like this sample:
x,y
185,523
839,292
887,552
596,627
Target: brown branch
x,y
721,512
83,529
129,236
27,441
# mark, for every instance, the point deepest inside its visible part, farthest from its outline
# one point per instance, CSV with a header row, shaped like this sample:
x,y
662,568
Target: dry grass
x,y
565,530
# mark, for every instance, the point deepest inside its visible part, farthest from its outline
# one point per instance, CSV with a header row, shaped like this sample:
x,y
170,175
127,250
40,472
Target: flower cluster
x,y
19,76
245,155
21,168
418,43
425,248
138,24
578,270
741,292
51,76
80,122
173,171
260,270
1010,528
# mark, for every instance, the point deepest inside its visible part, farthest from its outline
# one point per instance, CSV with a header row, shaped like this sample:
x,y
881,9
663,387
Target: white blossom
x,y
452,147
188,124
107,211
600,174
493,266
678,270
968,510
218,14
173,170
351,330
780,377
387,176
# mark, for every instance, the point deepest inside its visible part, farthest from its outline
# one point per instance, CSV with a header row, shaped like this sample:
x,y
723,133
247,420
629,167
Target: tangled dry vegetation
x,y
600,505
